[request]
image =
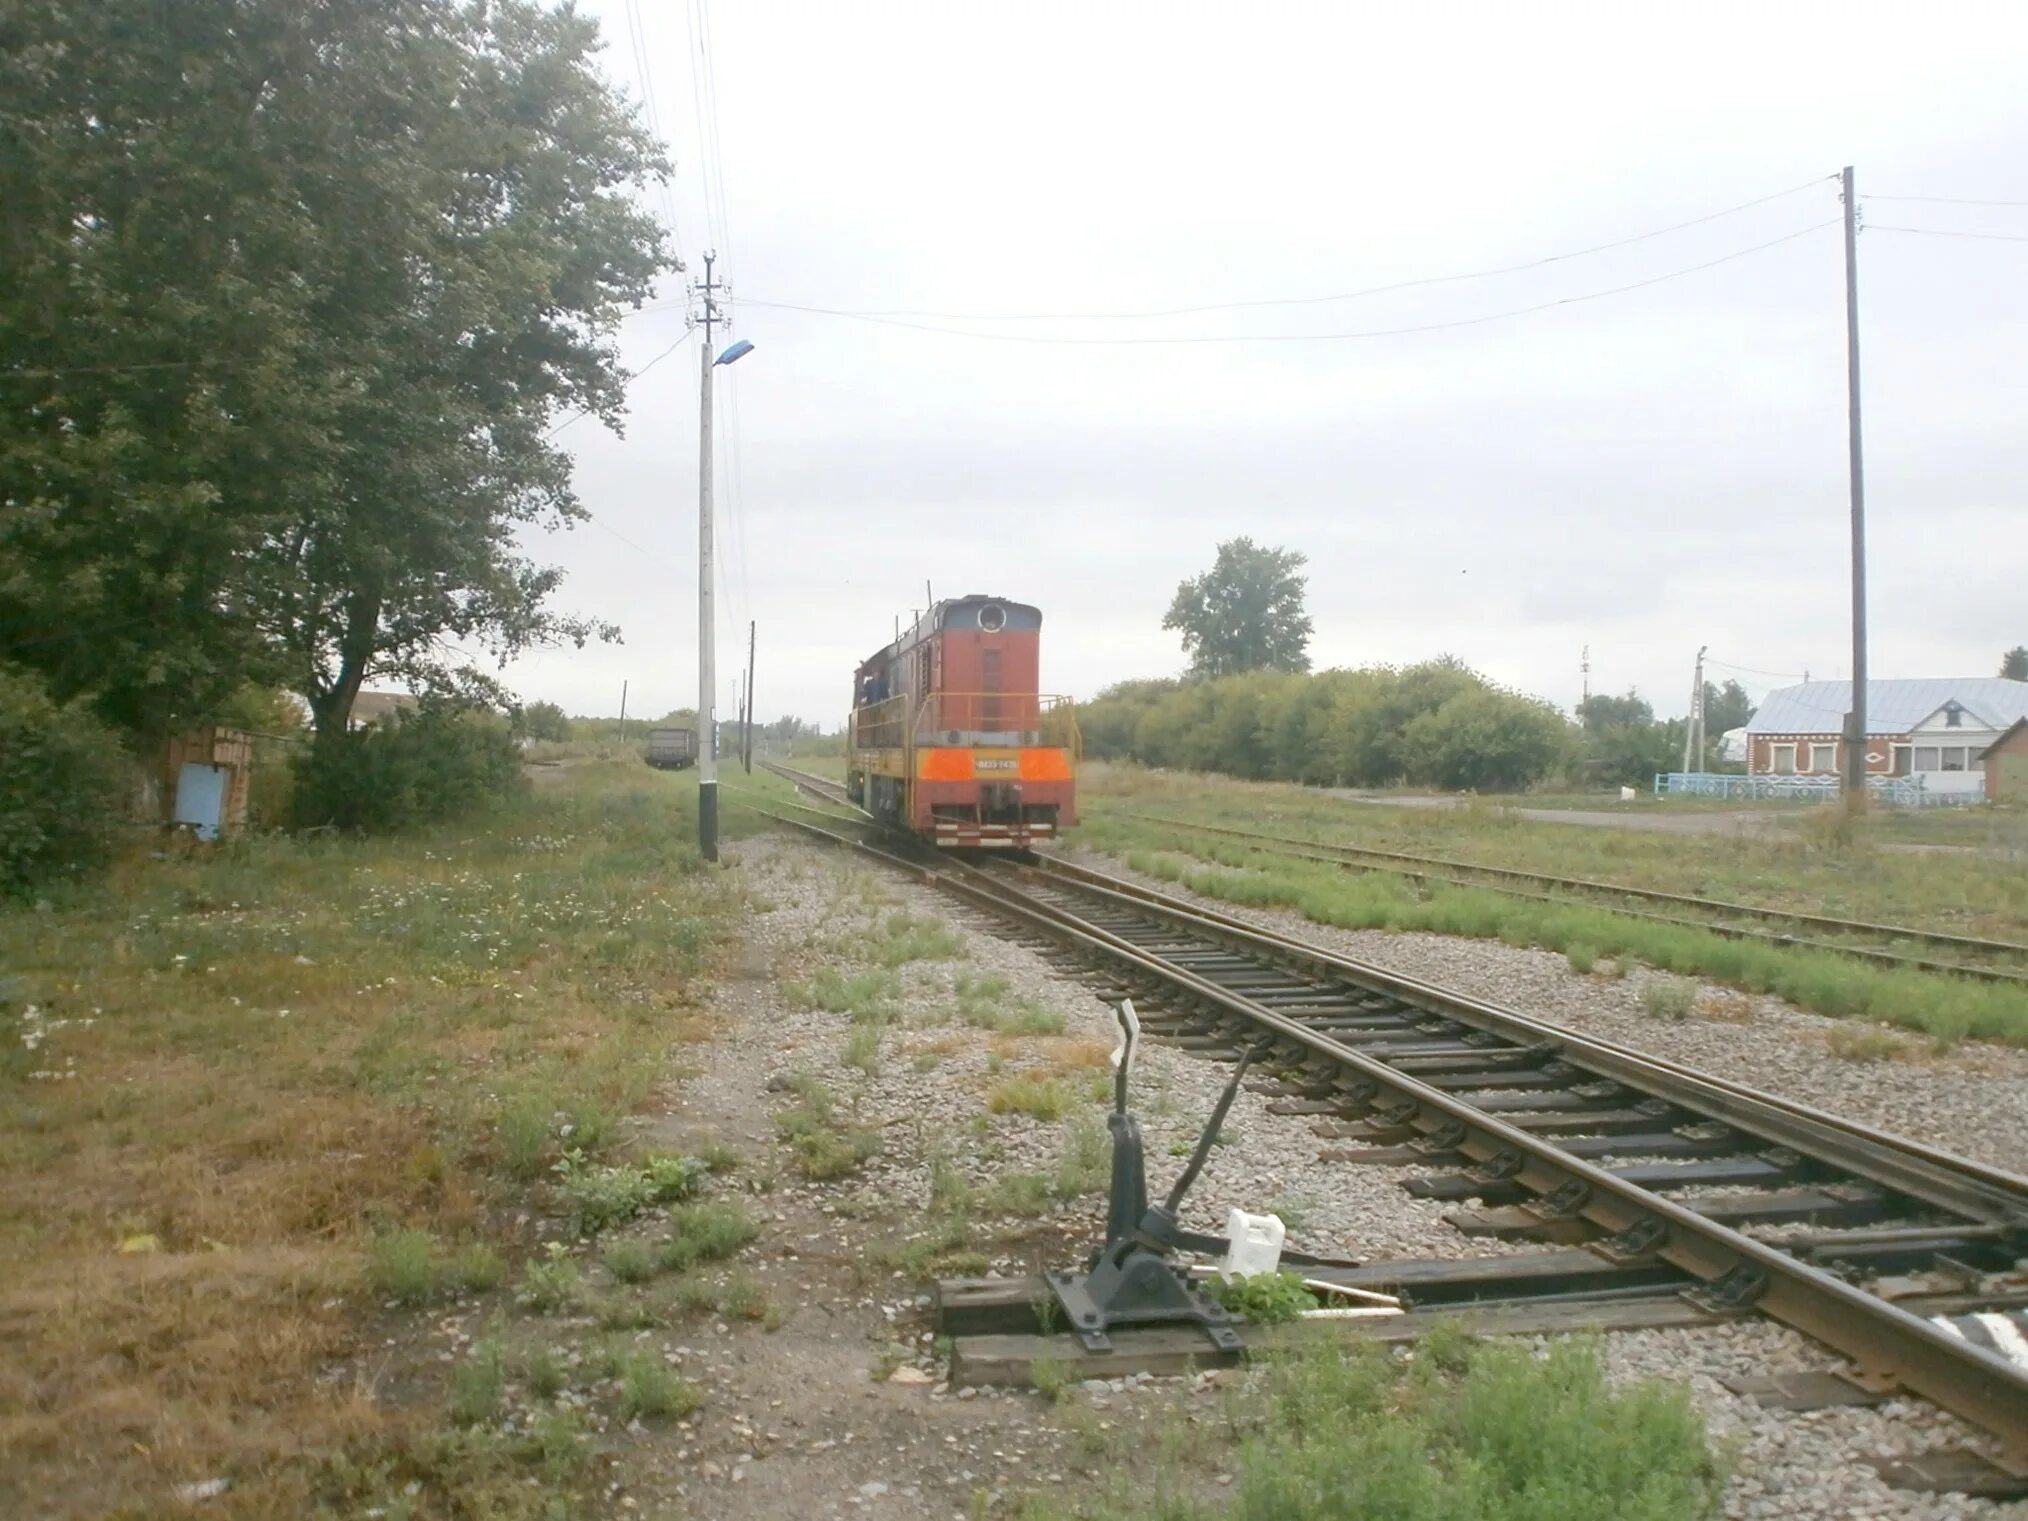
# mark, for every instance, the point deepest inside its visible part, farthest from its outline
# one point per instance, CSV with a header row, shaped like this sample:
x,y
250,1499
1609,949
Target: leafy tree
x,y
2014,664
1245,613
63,779
1485,740
1726,707
302,288
543,721
1603,711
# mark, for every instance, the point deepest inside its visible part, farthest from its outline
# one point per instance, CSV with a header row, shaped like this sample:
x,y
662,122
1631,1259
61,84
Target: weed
x,y
1085,1165
1054,1378
824,1150
982,1005
479,1384
914,937
550,1288
630,1262
1027,1194
477,1268
718,1157
1265,1299
1492,1431
737,1296
704,1232
862,1049
406,1267
1669,999
1866,1043
867,997
1041,1098
542,1372
652,1390
526,1134
1582,957
602,1196
926,1061
1293,1210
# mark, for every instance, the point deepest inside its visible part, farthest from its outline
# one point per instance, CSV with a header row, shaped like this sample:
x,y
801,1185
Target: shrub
x,y
1669,999
406,1267
1265,1299
422,768
63,784
1042,1098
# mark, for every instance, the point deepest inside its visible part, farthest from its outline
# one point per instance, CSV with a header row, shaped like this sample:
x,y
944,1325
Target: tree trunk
x,y
331,707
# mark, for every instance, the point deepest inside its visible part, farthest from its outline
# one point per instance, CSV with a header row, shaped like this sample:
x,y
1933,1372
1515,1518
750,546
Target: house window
x,y
1951,758
1954,718
1824,757
1903,763
1782,759
1925,758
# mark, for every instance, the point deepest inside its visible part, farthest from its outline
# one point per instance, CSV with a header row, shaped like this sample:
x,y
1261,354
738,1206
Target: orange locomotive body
x,y
950,738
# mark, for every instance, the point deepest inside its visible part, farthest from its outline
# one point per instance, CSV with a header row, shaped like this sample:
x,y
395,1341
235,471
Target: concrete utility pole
x,y
623,712
1855,720
1693,731
707,649
746,734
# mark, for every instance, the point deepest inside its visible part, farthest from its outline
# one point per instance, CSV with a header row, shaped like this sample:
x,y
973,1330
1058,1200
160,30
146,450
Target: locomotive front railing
x,y
968,718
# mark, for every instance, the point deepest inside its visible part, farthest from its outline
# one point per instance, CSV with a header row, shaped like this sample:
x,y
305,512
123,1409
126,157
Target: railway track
x,y
1671,1184
2001,961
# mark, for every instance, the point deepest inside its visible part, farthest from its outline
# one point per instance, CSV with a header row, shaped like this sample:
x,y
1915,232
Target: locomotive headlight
x,y
992,617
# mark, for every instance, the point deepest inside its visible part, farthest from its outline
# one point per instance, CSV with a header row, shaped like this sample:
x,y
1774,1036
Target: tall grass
x,y
1490,1431
1947,1009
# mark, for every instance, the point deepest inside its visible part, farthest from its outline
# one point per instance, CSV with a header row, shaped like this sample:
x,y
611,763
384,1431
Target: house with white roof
x,y
1932,730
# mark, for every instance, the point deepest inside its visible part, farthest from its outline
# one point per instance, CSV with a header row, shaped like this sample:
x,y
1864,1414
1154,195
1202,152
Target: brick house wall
x,y
1761,753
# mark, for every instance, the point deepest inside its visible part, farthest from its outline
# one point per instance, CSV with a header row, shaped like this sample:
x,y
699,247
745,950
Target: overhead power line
x,y
1942,200
1381,332
1938,232
631,378
1356,295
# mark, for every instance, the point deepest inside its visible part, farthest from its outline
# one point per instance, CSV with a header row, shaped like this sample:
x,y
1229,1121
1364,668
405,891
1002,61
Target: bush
x,y
63,785
1435,724
419,769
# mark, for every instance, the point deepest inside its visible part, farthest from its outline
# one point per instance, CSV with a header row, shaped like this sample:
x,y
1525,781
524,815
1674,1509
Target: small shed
x,y
208,772
2006,763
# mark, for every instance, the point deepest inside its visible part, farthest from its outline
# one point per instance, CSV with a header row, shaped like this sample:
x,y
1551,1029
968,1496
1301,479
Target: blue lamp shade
x,y
735,353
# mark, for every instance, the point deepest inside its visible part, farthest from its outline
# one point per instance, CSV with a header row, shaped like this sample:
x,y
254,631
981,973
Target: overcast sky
x,y
1641,473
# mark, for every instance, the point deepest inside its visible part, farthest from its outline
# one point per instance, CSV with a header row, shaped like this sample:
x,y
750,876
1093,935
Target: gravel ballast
x,y
927,1097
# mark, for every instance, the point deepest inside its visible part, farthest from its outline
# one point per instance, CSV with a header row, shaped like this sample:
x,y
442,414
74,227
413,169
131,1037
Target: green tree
x,y
303,288
1726,707
1484,740
542,721
1604,711
1245,613
2014,664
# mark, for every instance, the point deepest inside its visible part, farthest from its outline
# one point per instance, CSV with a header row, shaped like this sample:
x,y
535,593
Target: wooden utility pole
x,y
1855,720
746,736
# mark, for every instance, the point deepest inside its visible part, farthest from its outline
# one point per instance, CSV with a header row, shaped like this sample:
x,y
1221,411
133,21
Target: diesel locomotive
x,y
950,738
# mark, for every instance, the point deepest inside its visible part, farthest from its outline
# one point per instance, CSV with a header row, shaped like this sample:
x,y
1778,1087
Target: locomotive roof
x,y
939,618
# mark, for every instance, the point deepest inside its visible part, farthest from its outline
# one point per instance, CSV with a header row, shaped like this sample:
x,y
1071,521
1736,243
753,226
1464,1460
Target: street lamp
x,y
707,654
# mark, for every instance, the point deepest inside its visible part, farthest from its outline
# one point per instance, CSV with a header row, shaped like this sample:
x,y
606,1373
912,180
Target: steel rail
x,y
1891,1347
1958,1184
1334,854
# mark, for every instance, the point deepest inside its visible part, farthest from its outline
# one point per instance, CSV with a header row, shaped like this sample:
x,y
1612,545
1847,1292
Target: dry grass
x,y
281,1053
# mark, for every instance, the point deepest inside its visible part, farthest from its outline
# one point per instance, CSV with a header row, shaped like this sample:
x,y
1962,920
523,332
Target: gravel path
x,y
797,1424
